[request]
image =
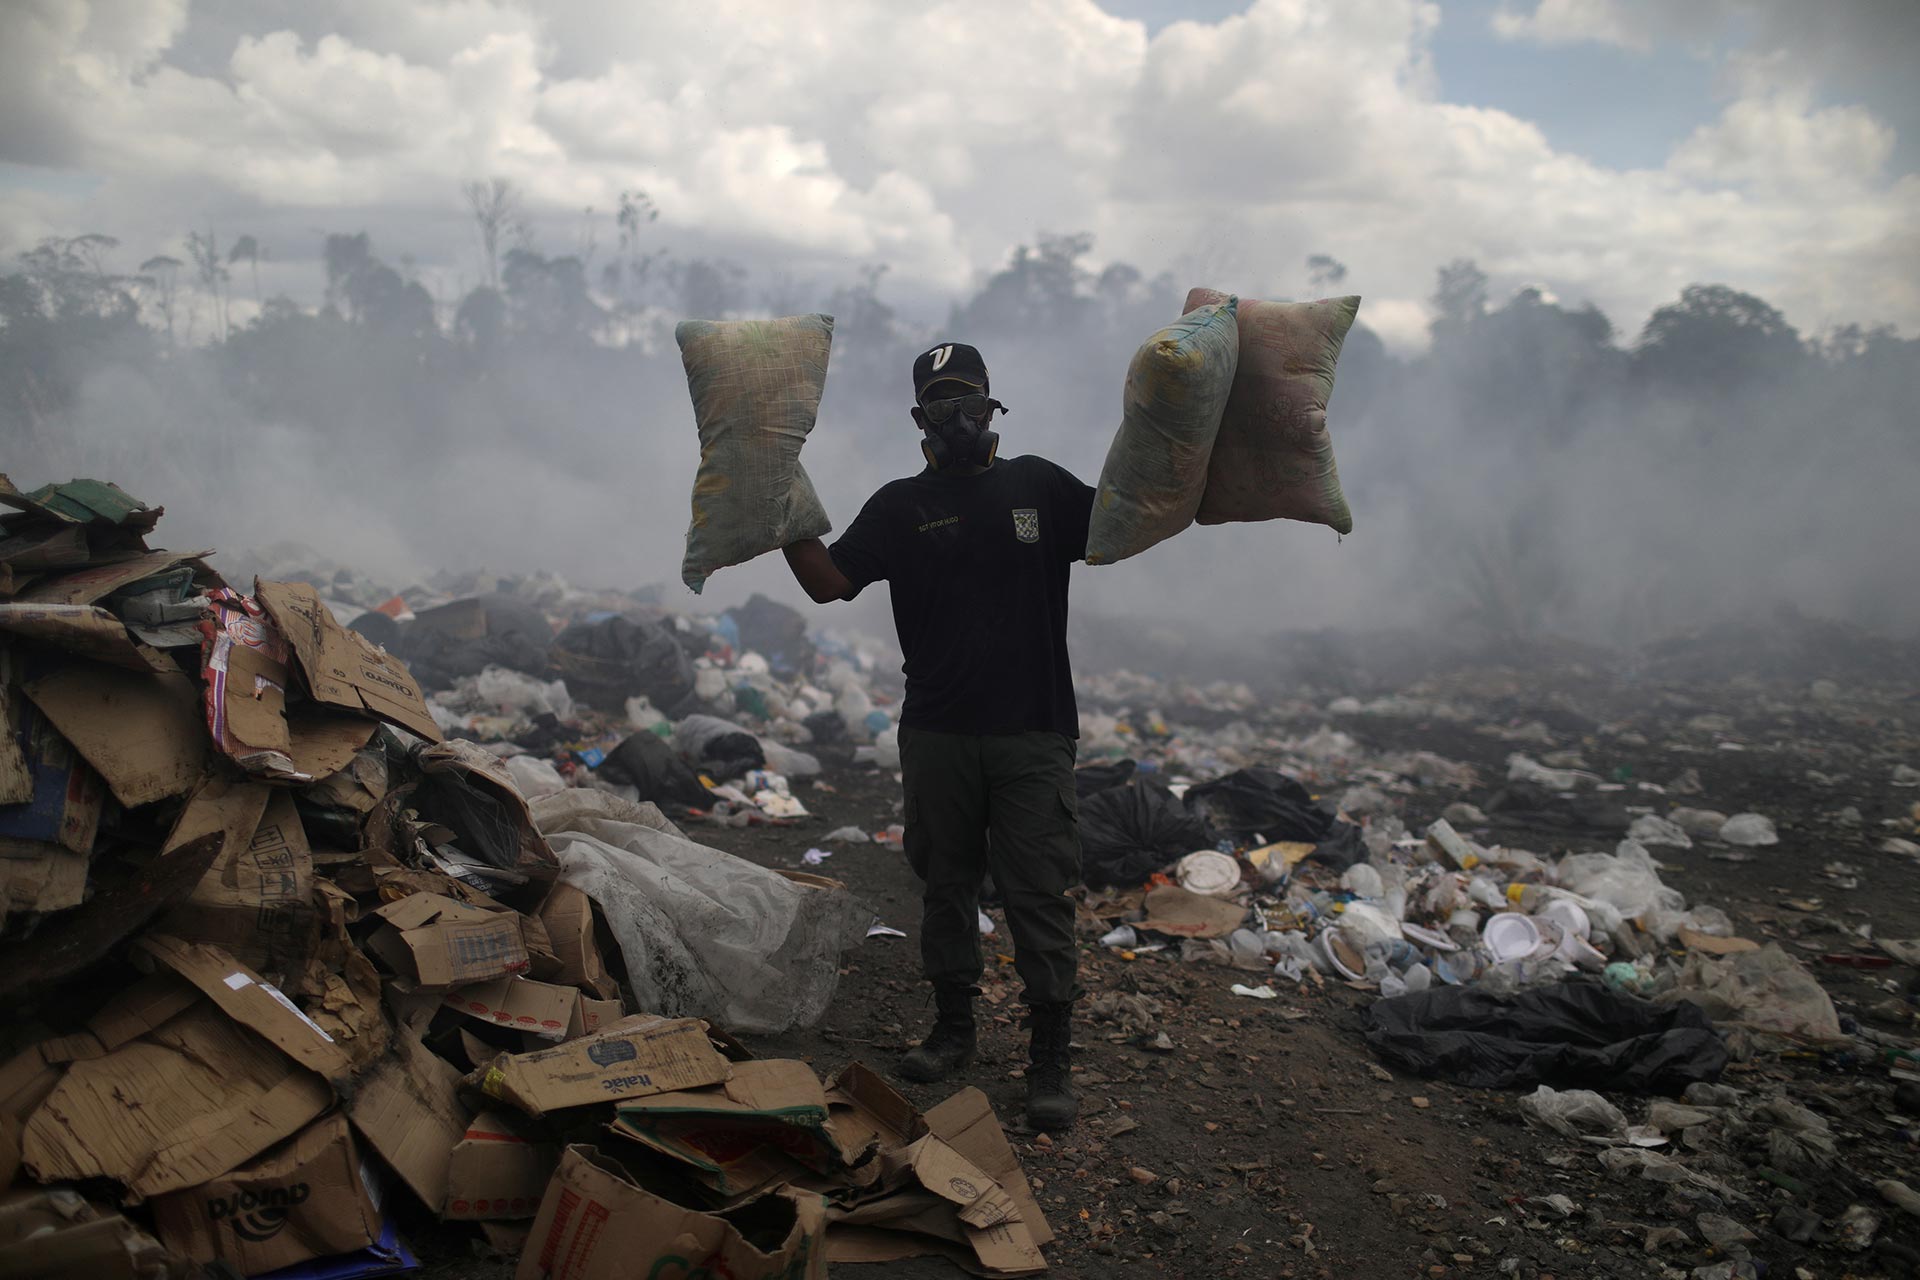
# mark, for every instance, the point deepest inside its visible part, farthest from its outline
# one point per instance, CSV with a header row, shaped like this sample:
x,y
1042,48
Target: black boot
x,y
949,1046
1051,1101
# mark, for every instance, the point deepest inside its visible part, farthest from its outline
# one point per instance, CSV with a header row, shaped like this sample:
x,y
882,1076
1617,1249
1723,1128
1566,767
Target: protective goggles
x,y
974,406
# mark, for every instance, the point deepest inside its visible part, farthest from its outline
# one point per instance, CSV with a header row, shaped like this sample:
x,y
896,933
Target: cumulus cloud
x,y
936,137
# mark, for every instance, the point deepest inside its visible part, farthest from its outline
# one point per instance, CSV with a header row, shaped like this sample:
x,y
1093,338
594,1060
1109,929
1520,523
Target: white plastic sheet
x,y
704,934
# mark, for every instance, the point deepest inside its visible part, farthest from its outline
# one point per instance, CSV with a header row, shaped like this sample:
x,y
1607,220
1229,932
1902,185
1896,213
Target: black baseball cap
x,y
949,362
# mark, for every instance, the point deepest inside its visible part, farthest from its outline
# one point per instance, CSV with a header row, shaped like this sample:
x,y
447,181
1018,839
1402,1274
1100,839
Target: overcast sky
x,y
1608,150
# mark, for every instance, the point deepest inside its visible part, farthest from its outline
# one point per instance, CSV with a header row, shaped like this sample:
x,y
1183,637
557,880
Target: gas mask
x,y
956,431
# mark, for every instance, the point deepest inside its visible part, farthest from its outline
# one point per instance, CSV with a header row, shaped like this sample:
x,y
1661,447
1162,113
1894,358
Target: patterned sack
x,y
756,388
1156,468
1273,458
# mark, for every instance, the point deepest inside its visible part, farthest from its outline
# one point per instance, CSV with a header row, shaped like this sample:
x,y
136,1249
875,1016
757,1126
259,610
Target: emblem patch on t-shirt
x,y
1026,524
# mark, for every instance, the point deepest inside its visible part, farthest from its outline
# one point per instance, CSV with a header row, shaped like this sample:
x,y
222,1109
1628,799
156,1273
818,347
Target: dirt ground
x,y
1268,1142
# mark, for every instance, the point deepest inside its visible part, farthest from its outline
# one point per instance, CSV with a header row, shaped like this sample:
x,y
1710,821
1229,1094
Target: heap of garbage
x,y
291,966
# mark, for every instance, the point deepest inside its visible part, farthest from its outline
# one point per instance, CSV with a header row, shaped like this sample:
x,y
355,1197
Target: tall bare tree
x,y
498,214
161,275
248,249
213,274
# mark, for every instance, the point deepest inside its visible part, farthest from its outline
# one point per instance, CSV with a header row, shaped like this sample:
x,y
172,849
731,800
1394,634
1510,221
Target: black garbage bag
x,y
1341,847
718,748
647,762
1530,804
776,632
1578,1035
1130,831
377,627
467,636
829,727
1263,802
1102,777
606,662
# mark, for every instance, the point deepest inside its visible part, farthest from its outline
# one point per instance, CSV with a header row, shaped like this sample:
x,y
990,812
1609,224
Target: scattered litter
x,y
1261,992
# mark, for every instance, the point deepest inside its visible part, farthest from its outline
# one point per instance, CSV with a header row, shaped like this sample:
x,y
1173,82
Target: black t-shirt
x,y
978,569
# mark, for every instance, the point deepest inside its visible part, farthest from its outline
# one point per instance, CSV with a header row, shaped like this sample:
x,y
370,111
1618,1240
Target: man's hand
x,y
816,573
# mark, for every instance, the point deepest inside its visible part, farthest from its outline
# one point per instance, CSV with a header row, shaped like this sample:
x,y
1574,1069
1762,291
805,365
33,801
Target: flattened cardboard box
x,y
141,731
342,669
97,582
439,942
521,1004
52,1233
307,1198
253,1003
633,1058
767,1121
185,1103
257,898
63,798
567,914
596,1223
83,629
408,1108
498,1171
592,1016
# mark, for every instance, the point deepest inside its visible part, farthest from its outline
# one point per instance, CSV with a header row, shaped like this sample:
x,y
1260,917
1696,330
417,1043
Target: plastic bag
x,y
756,388
718,747
1129,832
1765,990
656,772
606,662
512,691
1576,1034
535,777
784,759
1751,829
704,934
1573,1112
1628,881
1273,459
1156,469
1261,801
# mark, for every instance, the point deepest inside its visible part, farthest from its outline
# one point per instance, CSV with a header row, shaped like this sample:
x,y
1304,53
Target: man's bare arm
x,y
816,573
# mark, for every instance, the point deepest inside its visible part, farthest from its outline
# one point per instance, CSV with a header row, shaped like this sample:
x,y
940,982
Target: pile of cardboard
x,y
286,973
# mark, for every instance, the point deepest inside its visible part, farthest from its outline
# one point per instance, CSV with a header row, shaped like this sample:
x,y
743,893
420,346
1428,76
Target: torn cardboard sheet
x,y
766,1123
520,1004
438,942
306,1198
85,630
1171,909
597,1223
140,730
868,1114
119,908
47,1233
342,669
189,1101
408,1109
323,743
257,898
931,1197
97,582
498,1170
633,1058
65,797
253,1003
567,914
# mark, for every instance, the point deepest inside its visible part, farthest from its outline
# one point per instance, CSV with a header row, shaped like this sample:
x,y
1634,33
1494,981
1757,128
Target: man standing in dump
x,y
976,550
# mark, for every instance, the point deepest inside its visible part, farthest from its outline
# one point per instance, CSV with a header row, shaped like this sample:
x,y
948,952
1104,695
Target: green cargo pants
x,y
1003,803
